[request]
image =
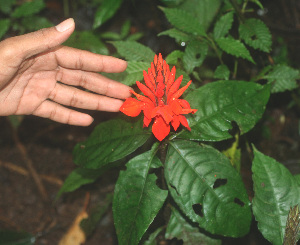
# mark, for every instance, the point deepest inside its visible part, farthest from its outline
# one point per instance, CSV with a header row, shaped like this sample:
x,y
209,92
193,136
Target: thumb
x,y
33,43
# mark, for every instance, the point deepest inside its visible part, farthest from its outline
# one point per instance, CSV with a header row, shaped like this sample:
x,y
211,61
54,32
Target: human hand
x,y
32,64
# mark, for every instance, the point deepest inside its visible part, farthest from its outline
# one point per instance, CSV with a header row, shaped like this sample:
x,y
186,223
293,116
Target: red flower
x,y
160,100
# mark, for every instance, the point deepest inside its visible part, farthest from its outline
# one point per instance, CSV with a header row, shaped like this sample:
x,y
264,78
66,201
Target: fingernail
x,y
65,25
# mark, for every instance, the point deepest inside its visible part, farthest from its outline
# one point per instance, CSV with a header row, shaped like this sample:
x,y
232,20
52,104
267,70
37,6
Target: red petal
x,y
174,88
165,112
146,91
131,107
184,122
171,79
147,121
160,129
178,93
176,106
149,82
175,122
142,98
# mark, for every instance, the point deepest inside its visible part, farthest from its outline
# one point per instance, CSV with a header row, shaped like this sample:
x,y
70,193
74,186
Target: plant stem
x,y
237,10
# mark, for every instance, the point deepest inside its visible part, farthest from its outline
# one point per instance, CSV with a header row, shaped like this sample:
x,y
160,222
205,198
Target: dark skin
x,y
32,64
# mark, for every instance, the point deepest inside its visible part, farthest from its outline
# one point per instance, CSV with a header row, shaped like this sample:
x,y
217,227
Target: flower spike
x,y
160,101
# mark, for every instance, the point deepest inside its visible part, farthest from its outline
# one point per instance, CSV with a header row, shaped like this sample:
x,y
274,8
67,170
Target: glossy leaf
x,y
134,51
184,21
194,55
4,26
28,8
105,11
137,198
134,72
109,142
220,104
223,25
275,191
256,34
234,47
180,228
207,188
282,78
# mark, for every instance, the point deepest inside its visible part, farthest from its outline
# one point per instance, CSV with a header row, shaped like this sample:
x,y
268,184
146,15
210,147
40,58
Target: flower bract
x,y
160,100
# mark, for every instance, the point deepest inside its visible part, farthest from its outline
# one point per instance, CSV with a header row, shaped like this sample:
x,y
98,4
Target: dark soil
x,y
49,145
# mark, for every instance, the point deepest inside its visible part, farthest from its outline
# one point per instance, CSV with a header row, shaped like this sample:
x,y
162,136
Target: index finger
x,y
72,58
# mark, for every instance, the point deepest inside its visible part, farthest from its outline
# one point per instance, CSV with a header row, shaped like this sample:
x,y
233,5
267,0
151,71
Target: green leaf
x,y
203,11
88,41
179,36
135,36
180,228
194,55
134,51
256,34
28,8
4,26
134,72
234,47
223,25
78,178
137,198
221,103
282,78
105,11
34,23
110,141
173,57
16,238
275,191
184,21
6,6
111,35
207,188
222,72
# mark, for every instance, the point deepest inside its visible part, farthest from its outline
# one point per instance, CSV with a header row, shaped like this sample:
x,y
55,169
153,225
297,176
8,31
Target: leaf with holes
x,y
234,47
134,51
256,34
223,25
207,188
282,78
179,227
137,199
222,103
275,191
109,142
194,55
184,21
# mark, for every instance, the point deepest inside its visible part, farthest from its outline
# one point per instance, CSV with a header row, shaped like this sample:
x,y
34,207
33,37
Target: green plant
x,y
182,177
22,18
